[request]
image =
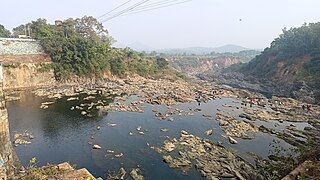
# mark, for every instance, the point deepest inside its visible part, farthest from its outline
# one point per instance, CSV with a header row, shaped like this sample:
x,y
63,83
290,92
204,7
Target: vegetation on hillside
x,y
4,33
82,47
296,51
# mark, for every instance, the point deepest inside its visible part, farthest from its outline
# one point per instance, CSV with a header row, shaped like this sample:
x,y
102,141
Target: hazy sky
x,y
196,23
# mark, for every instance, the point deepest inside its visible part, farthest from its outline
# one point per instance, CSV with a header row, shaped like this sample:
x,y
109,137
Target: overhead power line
x,y
156,4
114,9
126,10
158,7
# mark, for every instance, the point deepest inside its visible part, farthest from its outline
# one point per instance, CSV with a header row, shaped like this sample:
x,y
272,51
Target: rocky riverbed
x,y
242,118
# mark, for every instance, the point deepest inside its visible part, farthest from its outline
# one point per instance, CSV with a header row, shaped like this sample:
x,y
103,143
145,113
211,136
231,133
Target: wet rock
x,y
83,113
96,146
118,155
245,116
122,173
119,176
72,99
232,141
136,174
111,124
184,132
211,160
22,138
44,106
164,130
169,146
209,132
206,115
232,127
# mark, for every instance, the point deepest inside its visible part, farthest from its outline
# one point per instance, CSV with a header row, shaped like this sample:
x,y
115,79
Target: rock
x,y
226,175
130,133
72,99
164,130
83,113
44,106
111,124
98,127
209,132
169,146
167,159
206,115
245,116
122,173
96,146
223,123
118,155
136,174
141,132
184,132
117,176
110,151
232,141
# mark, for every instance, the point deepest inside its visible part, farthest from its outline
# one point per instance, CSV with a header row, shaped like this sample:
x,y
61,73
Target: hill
x,y
203,50
292,58
229,48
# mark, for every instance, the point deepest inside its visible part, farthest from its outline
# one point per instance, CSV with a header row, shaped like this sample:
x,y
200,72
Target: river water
x,y
63,135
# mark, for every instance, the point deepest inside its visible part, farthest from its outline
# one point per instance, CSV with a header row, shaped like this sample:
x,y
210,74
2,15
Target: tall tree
x,y
4,32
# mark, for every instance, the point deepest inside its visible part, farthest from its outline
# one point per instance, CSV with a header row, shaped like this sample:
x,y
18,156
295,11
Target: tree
x,y
162,63
4,32
20,30
117,67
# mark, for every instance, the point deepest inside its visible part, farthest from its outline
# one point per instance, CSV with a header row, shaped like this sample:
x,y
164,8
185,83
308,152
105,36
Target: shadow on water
x,y
65,135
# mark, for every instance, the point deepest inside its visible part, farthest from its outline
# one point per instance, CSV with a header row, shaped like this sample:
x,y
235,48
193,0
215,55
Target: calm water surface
x,y
64,135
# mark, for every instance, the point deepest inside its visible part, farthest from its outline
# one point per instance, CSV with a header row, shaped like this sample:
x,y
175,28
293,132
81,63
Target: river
x,y
62,135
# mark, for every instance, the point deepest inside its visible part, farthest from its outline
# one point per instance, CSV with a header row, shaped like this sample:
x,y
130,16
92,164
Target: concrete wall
x,y
16,46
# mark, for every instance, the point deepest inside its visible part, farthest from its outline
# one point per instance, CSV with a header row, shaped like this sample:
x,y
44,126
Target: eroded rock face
x,y
7,155
211,160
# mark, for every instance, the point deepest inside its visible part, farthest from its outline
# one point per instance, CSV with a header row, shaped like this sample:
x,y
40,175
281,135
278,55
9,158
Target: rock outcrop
x,y
7,155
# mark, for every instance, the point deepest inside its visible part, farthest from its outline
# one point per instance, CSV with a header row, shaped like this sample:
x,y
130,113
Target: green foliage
x,y
45,67
162,63
12,65
78,46
4,32
117,67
